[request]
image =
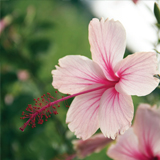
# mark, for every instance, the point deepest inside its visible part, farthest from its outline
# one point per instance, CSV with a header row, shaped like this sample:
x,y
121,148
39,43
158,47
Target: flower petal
x,y
82,115
75,73
147,128
115,113
108,41
126,147
136,74
93,144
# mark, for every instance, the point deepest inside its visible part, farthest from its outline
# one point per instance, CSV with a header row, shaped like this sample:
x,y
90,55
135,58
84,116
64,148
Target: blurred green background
x,y
38,33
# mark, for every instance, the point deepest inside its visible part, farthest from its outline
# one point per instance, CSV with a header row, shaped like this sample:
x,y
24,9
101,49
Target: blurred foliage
x,y
38,35
157,12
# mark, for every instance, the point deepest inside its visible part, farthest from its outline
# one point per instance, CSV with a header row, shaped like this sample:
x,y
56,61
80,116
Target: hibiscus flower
x,y
103,86
142,141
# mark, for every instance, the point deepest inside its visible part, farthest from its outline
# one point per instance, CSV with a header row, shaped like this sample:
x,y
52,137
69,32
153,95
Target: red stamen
x,y
44,108
40,112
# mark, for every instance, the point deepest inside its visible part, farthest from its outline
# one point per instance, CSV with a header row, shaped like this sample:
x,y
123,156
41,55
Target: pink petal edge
x,y
147,128
136,73
126,147
108,41
82,115
91,145
115,113
74,73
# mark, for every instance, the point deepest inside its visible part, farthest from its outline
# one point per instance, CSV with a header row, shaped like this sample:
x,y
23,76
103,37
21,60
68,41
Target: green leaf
x,y
157,12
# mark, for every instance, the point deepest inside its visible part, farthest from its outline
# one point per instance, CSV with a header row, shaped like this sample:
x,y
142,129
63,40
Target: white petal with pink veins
x,y
108,42
136,73
82,115
126,147
115,113
147,129
74,73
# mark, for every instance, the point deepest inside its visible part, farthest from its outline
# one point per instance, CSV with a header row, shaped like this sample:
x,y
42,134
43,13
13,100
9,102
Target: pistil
x,y
44,107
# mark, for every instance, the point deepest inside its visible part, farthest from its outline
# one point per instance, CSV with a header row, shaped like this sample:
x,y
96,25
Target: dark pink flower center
x,y
155,158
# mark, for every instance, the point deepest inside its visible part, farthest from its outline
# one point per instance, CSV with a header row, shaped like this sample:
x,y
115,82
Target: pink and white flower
x,y
142,141
108,81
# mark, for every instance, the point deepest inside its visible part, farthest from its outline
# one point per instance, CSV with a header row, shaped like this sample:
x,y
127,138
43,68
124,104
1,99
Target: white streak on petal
x,y
147,129
126,147
108,42
75,73
115,113
82,115
136,73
